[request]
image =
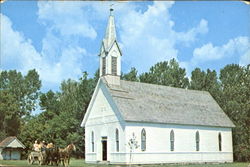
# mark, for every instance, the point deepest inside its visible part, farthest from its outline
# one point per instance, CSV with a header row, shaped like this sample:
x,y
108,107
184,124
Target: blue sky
x,y
62,39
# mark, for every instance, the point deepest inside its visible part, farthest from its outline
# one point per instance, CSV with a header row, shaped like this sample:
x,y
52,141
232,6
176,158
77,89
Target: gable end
x,y
93,99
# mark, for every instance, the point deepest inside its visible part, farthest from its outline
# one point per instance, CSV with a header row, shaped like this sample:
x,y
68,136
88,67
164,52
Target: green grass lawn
x,y
80,163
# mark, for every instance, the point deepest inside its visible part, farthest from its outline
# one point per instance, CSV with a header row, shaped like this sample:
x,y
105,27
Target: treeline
x,y
63,111
18,95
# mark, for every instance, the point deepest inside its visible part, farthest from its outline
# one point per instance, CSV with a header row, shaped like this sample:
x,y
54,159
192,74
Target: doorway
x,y
104,148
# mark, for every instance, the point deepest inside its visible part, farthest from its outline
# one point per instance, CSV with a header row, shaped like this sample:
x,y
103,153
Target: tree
x,y
75,98
19,96
166,73
198,79
62,114
131,76
133,145
207,81
235,82
33,128
9,120
49,102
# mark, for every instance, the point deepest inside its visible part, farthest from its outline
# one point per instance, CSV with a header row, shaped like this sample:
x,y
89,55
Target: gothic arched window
x,y
220,140
143,140
172,140
117,139
114,65
197,139
92,141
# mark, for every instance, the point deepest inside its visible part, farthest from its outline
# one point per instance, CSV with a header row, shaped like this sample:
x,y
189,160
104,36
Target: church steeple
x,y
110,54
110,35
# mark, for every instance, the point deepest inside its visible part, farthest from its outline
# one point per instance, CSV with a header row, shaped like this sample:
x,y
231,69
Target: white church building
x,y
170,125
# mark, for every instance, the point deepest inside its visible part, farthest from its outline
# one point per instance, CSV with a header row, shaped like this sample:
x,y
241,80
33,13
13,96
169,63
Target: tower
x,y
110,54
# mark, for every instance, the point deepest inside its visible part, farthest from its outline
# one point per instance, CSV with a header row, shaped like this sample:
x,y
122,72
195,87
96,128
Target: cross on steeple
x,y
111,9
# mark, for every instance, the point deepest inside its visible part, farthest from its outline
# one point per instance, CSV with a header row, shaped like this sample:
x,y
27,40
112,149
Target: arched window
x,y
172,140
197,139
117,139
143,140
219,139
92,141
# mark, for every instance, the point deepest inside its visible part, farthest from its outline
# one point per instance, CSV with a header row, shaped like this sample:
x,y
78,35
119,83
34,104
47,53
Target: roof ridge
x,y
184,89
7,141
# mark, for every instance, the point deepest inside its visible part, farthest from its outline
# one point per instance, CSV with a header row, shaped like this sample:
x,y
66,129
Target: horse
x,y
52,156
66,153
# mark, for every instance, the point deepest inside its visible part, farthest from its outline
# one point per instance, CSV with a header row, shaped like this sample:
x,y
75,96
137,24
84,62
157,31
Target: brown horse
x,y
51,156
66,153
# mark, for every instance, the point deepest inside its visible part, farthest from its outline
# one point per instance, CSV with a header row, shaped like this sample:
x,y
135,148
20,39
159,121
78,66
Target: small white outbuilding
x,y
11,148
168,125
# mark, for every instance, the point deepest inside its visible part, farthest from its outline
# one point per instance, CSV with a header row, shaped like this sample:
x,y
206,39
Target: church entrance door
x,y
104,148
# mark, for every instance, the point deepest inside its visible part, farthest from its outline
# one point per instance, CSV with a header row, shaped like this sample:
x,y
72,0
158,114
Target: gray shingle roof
x,y
8,140
141,102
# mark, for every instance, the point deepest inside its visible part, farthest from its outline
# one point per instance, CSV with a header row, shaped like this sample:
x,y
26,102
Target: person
x,y
50,145
36,146
43,145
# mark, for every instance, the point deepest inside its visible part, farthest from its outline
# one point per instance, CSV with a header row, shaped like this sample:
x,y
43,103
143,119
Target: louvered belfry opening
x,y
103,66
114,65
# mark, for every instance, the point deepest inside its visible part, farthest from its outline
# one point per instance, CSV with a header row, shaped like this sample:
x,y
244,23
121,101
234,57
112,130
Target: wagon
x,y
35,156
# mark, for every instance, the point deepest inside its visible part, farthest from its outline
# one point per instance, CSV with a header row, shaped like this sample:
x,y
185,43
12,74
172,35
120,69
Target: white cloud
x,y
150,35
239,47
147,32
62,55
69,18
68,65
191,34
245,58
147,36
17,52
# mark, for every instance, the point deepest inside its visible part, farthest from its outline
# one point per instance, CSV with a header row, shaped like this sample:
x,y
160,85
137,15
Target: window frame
x,y
117,139
92,141
172,140
143,140
197,140
220,141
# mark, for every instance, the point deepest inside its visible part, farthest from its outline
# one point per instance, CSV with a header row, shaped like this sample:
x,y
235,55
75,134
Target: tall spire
x,y
110,35
110,54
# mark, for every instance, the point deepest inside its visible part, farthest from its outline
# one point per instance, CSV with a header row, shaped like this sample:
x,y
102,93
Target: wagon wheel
x,y
29,159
